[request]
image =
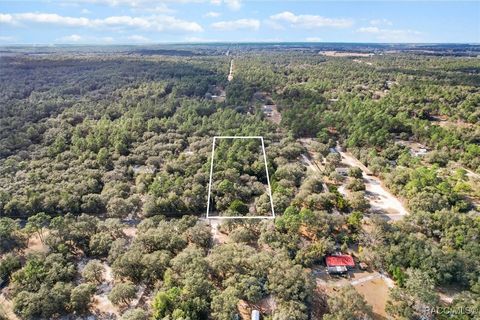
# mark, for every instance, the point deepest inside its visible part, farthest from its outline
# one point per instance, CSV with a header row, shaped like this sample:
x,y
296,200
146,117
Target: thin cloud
x,y
392,35
7,18
71,38
251,24
154,22
273,25
78,39
232,4
309,21
381,22
6,38
212,14
161,8
138,38
200,39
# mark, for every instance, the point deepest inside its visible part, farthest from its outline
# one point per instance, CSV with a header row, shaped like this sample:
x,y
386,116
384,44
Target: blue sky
x,y
160,21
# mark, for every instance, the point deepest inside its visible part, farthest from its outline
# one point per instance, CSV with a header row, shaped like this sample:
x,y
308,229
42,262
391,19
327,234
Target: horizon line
x,y
235,43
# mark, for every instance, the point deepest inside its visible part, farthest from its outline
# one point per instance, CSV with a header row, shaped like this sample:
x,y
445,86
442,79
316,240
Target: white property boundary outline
x,y
266,170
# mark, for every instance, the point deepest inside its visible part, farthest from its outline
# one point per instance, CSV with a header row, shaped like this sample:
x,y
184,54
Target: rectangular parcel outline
x,y
266,170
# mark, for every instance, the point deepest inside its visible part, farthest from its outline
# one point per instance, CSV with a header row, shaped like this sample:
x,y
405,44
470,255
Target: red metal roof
x,y
341,260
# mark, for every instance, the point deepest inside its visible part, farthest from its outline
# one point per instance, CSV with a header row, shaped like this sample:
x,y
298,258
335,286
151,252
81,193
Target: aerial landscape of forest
x,y
239,160
373,154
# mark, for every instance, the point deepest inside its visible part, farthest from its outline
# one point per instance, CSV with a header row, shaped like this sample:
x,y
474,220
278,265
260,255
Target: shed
x,y
342,260
255,315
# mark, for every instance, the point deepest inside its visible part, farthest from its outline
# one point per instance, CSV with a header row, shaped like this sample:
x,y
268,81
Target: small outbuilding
x,y
339,264
255,315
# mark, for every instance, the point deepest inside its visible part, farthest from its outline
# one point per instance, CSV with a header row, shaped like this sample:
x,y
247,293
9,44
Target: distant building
x,y
339,264
255,315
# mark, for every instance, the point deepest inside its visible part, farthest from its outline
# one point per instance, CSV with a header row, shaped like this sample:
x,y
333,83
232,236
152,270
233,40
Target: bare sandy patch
x,y
375,292
7,308
35,245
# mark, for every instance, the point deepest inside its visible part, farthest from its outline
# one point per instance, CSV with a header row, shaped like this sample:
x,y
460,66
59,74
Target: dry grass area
x,y
130,232
371,285
7,308
443,121
101,305
35,245
217,236
265,306
376,293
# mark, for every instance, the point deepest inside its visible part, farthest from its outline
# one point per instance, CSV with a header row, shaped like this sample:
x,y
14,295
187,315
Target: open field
x,y
376,293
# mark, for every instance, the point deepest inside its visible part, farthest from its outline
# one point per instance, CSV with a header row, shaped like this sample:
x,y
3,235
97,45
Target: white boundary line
x,y
268,180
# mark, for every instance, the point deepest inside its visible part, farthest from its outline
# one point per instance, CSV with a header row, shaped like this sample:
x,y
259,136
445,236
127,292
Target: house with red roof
x,y
339,264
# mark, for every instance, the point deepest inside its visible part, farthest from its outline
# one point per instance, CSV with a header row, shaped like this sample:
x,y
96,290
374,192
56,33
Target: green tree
x,y
135,314
355,172
38,224
347,303
122,293
291,310
224,304
81,297
239,207
415,298
8,265
93,271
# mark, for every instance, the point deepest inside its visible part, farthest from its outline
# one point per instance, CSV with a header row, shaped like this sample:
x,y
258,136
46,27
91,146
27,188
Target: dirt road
x,y
230,74
381,200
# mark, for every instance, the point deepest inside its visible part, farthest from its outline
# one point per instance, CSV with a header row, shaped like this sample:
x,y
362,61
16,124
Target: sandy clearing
x,y
308,163
130,232
35,245
382,200
376,293
103,306
373,286
101,303
7,307
217,236
350,160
